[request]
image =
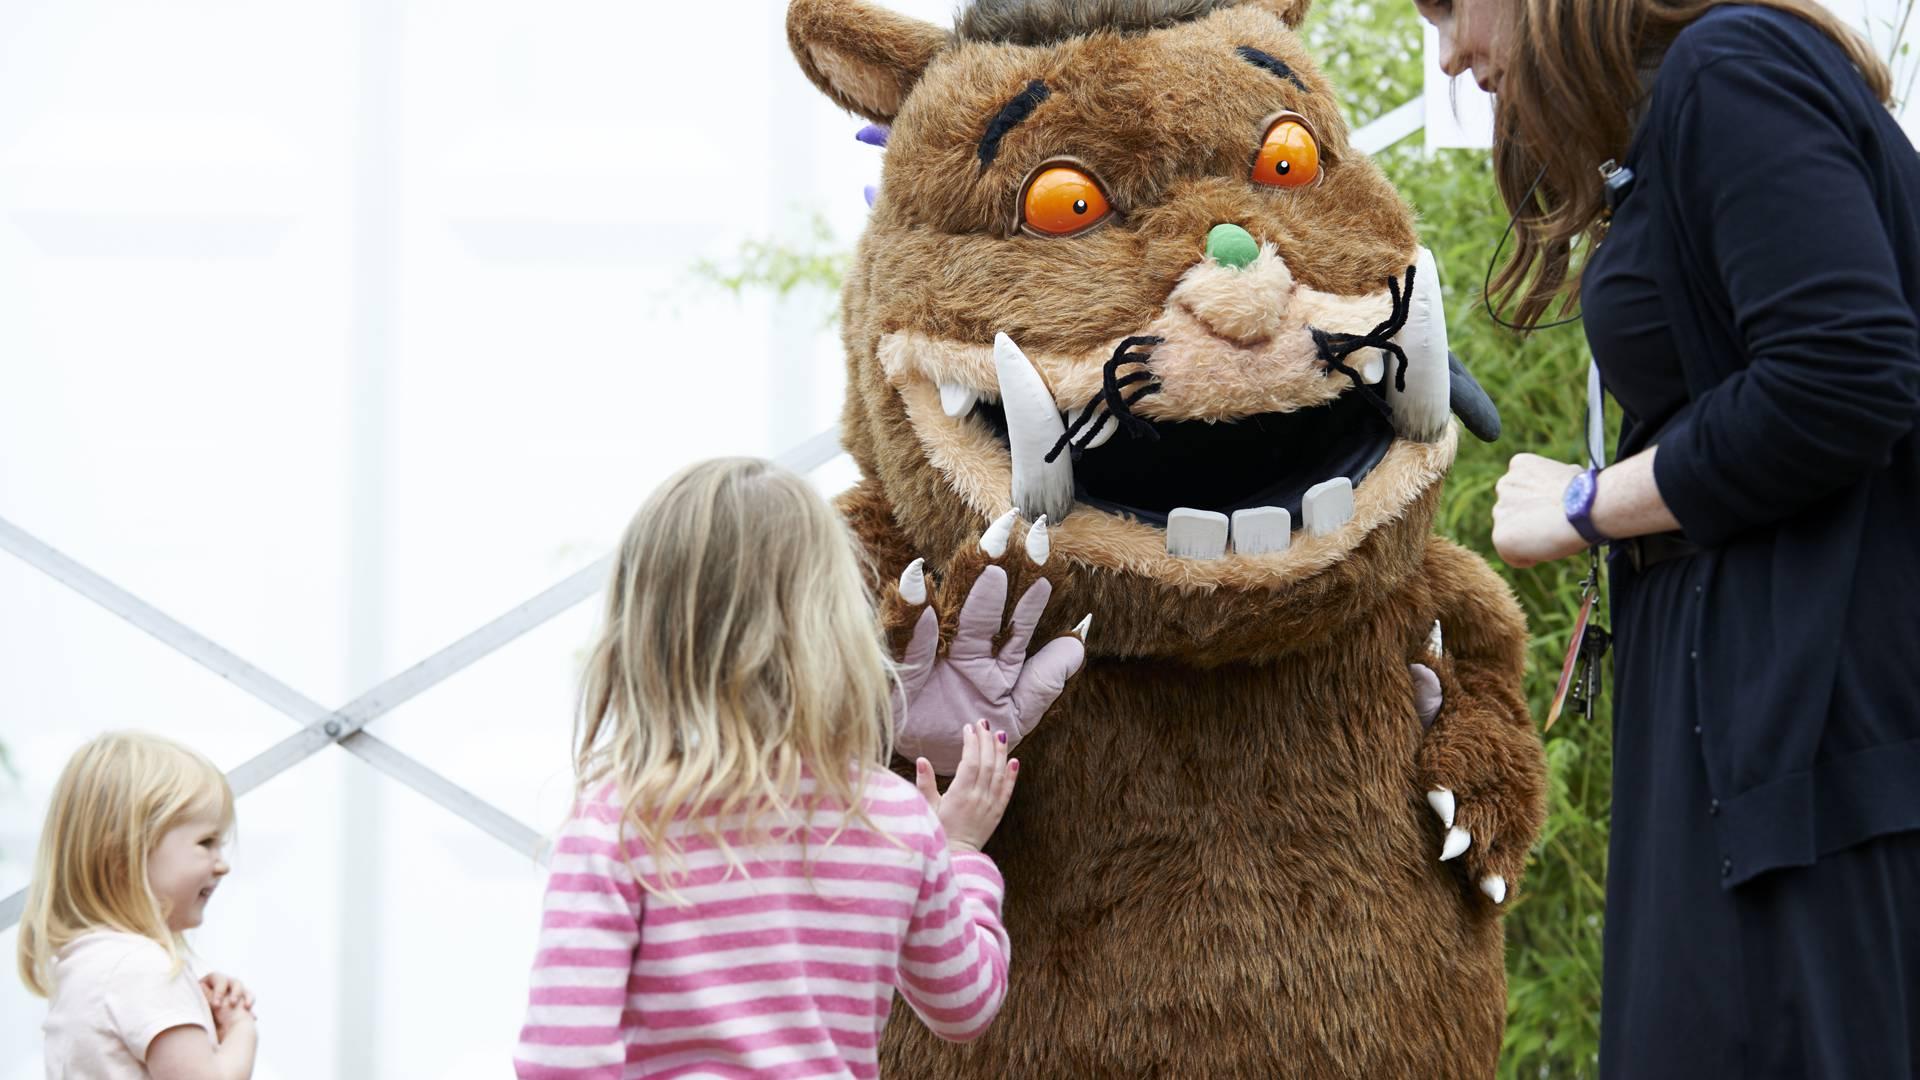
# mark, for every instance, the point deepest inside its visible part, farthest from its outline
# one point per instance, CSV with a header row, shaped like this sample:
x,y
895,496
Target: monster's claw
x,y
1434,640
994,540
1082,629
1495,887
1427,696
1442,802
1039,542
913,582
1455,843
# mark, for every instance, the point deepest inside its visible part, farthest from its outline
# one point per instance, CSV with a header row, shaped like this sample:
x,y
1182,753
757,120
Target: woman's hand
x,y
971,808
1529,524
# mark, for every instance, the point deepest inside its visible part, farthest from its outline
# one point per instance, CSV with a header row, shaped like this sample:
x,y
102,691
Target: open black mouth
x,y
1266,460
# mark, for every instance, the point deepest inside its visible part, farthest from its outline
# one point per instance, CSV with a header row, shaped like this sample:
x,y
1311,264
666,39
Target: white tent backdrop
x,y
335,330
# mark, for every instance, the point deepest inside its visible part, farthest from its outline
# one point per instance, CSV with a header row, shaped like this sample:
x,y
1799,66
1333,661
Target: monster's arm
x,y
963,656
1481,761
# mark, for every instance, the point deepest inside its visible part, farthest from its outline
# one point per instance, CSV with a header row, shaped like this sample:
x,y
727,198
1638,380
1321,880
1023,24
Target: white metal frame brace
x,y
343,726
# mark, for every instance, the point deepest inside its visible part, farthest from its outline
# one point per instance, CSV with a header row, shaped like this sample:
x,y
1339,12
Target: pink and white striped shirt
x,y
766,975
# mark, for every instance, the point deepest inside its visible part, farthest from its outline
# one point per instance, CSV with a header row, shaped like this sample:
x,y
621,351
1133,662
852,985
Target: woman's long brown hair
x,y
1570,83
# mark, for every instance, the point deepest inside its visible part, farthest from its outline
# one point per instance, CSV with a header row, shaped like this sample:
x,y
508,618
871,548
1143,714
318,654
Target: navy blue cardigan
x,y
1789,203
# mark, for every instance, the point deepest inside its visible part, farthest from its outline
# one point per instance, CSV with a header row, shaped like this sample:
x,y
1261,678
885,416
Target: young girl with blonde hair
x,y
742,885
129,857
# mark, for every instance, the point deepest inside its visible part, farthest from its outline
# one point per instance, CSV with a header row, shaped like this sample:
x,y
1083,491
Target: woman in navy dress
x,y
1752,299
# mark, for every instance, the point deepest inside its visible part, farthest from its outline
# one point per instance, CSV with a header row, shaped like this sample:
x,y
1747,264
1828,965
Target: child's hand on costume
x,y
971,808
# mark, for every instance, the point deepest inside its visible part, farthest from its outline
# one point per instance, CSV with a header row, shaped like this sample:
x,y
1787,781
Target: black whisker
x,y
1111,383
1335,348
1121,408
1093,433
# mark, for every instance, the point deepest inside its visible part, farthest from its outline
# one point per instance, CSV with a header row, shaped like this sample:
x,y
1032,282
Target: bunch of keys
x,y
1580,673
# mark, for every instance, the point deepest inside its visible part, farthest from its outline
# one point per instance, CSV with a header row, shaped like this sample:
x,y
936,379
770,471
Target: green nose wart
x,y
1231,245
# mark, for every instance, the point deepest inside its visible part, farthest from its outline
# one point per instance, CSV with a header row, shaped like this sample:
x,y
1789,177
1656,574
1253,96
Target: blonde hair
x,y
1571,81
739,650
117,797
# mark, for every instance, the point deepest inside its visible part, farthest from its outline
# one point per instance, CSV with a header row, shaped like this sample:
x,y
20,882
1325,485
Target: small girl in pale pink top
x,y
129,857
742,886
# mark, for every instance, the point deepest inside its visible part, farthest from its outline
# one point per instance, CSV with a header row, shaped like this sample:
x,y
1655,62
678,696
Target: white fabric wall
x,y
334,330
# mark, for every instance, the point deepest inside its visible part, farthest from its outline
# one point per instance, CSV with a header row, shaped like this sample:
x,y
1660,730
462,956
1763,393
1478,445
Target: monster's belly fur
x,y
1230,872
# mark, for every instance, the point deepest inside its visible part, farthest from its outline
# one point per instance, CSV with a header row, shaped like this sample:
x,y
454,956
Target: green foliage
x,y
813,261
1888,37
1554,927
1371,50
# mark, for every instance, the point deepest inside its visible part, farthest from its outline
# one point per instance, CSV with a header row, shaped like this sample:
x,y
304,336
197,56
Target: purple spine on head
x,y
873,134
870,192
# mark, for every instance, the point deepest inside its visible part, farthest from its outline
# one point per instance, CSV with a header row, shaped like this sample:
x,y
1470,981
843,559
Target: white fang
x,y
1420,411
957,400
1033,430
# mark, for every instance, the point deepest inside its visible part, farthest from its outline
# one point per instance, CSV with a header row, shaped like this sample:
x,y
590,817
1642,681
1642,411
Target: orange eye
x,y
1289,158
1062,200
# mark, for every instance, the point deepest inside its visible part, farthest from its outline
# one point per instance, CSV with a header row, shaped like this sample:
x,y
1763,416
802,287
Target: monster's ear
x,y
1290,11
864,57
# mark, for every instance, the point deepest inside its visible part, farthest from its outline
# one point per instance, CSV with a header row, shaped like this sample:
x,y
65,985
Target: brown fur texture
x,y
865,59
1224,352
1220,860
1049,22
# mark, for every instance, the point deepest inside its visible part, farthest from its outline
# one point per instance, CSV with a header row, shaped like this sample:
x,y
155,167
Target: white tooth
x,y
1262,530
1370,371
1039,544
1420,411
1033,429
913,582
994,540
1106,424
1196,534
957,400
1327,505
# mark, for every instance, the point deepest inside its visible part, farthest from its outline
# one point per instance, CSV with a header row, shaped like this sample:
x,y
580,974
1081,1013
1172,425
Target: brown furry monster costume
x,y
1126,272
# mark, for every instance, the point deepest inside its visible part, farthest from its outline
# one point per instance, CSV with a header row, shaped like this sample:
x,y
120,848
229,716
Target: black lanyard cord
x,y
1486,291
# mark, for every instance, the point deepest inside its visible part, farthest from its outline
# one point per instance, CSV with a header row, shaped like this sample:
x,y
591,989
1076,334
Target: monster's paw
x,y
1482,780
963,656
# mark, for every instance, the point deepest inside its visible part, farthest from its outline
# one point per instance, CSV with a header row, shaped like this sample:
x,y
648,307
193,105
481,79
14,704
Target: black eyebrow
x,y
1010,114
1270,63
